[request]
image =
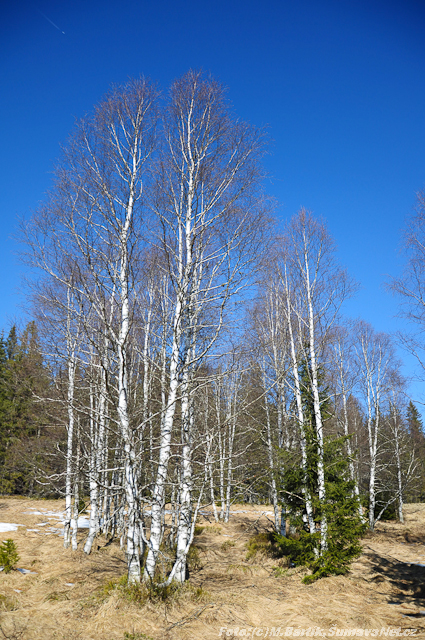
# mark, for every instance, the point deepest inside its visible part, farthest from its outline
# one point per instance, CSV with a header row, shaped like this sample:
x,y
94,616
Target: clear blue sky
x,y
340,84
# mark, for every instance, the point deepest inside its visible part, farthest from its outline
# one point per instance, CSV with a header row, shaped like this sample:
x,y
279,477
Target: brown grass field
x,y
67,597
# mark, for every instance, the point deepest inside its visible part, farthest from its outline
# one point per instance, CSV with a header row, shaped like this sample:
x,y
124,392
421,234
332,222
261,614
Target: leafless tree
x,y
410,287
345,378
211,224
93,222
315,289
375,354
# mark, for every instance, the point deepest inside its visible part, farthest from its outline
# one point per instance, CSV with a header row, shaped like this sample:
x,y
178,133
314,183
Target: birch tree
x,y
320,287
374,356
346,378
209,223
410,287
399,466
94,217
270,334
72,340
194,199
62,322
296,339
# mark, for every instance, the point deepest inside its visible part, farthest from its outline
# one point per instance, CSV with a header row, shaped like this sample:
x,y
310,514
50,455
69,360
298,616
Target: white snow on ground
x,y
59,515
232,511
9,526
24,571
83,522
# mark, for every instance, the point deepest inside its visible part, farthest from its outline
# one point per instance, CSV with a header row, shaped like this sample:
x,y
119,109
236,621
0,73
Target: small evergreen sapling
x,y
340,506
342,512
8,555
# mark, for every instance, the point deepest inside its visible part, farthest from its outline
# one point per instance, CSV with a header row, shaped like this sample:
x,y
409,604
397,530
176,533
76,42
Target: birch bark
x,y
207,169
70,346
374,354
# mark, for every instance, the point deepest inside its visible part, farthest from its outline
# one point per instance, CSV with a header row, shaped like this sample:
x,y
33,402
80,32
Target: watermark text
x,y
314,632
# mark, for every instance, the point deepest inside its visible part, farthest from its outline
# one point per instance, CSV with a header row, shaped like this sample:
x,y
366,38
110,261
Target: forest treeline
x,y
184,352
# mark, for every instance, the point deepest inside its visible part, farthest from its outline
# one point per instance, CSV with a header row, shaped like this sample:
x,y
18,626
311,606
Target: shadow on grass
x,y
407,579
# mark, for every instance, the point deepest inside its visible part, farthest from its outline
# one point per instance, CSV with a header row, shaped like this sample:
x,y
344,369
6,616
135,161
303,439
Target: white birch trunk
x,y
210,471
69,453
164,453
93,484
273,488
396,432
374,355
231,438
317,410
130,474
75,510
71,344
300,412
200,187
221,453
185,516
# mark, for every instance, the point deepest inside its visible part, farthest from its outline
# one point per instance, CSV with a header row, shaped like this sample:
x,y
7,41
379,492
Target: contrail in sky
x,y
48,19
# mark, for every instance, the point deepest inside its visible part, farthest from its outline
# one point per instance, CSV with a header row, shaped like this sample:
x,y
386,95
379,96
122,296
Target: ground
x,y
64,597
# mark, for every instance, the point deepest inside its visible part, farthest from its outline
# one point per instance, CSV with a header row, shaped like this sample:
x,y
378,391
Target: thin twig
x,y
189,618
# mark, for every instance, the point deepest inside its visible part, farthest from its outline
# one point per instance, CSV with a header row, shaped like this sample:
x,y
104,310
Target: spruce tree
x,y
341,506
24,381
416,430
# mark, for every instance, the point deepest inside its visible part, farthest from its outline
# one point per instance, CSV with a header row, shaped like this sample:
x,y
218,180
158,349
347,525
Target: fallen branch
x,y
187,619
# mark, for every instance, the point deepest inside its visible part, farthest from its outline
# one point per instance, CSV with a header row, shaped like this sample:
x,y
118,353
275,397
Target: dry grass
x,y
68,598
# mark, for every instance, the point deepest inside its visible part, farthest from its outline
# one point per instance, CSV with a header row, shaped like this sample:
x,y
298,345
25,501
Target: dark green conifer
x,y
416,430
341,505
23,381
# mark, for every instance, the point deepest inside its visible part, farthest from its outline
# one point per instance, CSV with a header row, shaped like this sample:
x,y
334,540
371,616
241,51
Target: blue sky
x,y
339,83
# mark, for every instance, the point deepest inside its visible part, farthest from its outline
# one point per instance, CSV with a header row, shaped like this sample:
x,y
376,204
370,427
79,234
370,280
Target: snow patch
x,y
59,515
54,530
9,526
83,522
25,571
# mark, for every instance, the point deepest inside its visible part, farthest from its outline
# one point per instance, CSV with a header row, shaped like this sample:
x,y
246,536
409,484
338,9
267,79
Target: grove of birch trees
x,y
196,357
